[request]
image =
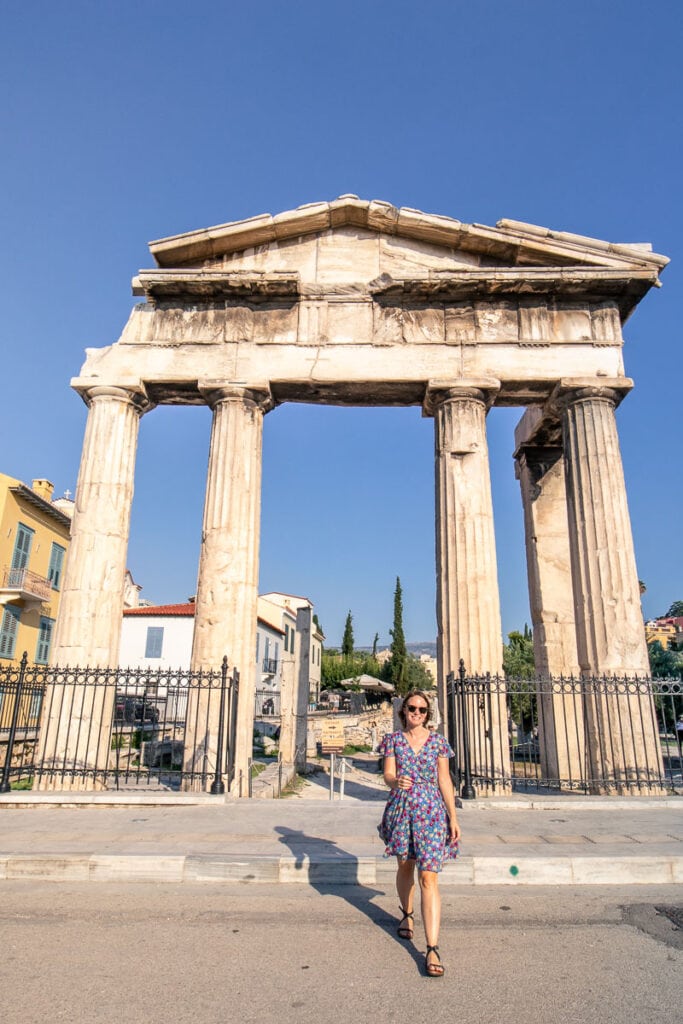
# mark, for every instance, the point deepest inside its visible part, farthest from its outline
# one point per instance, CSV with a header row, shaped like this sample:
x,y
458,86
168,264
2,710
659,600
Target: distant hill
x,y
424,647
416,647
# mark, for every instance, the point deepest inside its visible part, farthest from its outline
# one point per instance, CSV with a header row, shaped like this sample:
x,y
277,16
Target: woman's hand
x,y
453,831
404,782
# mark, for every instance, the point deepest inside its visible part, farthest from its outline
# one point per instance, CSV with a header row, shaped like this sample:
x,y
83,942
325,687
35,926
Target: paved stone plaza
x,y
514,842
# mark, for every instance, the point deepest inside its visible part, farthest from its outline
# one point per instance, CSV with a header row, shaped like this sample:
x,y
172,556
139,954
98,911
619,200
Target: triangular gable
x,y
510,243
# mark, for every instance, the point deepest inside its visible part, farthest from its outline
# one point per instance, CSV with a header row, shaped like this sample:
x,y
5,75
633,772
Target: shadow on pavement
x,y
321,853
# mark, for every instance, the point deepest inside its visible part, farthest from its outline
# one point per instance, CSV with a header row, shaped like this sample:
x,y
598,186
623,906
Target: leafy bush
x,y
22,784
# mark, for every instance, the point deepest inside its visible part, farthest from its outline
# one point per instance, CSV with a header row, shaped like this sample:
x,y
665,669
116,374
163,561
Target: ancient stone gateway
x,y
354,302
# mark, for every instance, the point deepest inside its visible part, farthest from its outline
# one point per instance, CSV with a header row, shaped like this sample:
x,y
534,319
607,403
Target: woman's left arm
x,y
448,794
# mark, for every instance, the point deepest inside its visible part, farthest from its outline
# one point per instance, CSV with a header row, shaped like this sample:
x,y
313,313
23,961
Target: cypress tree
x,y
347,640
398,642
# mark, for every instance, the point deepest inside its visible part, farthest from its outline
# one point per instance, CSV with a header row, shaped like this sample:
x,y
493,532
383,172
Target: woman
x,y
419,824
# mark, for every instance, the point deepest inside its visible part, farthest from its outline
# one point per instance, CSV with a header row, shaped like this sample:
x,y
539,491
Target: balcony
x,y
269,666
24,585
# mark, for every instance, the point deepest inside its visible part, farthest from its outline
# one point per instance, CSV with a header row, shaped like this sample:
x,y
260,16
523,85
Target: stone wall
x,y
23,752
358,729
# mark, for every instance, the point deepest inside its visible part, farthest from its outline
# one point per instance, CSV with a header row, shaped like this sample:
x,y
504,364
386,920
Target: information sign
x,y
332,740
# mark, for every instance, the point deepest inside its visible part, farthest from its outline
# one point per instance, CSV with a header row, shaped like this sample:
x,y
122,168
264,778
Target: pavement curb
x,y
22,801
268,783
318,872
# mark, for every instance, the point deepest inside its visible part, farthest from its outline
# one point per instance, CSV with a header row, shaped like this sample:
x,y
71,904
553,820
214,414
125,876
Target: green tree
x,y
374,646
334,667
416,676
518,663
664,662
347,640
397,662
518,655
675,611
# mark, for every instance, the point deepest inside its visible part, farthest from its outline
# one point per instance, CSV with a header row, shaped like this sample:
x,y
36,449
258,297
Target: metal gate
x,y
148,734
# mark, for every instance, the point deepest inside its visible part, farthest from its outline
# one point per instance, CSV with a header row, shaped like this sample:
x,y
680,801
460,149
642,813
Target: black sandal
x,y
434,970
405,932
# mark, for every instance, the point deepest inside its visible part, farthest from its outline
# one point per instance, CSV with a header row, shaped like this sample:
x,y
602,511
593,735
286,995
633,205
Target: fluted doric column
x,y
540,471
294,693
89,623
621,731
609,622
227,588
468,604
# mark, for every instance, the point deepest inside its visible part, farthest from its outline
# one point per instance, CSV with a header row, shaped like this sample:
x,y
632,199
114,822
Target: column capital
x,y
480,389
537,460
133,394
571,390
256,394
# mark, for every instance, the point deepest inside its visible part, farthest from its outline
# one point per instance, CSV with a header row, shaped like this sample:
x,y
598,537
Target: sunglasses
x,y
415,707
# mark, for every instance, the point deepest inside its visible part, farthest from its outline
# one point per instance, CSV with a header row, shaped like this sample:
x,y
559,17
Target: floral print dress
x,y
415,824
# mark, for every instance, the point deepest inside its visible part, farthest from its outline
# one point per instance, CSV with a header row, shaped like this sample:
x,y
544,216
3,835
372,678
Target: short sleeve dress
x,y
415,824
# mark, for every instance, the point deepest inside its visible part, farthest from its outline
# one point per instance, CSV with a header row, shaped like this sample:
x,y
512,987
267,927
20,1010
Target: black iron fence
x,y
592,735
114,728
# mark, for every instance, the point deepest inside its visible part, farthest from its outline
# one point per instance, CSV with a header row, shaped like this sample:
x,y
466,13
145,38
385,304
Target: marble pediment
x,y
354,301
353,246
353,239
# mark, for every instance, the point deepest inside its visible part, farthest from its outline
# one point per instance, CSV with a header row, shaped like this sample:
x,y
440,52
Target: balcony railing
x,y
27,584
270,666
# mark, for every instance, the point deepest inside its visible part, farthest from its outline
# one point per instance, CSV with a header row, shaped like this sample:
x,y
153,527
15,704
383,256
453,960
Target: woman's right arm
x,y
390,776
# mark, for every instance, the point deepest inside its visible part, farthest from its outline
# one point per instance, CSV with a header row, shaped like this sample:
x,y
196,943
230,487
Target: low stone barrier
x,y
270,783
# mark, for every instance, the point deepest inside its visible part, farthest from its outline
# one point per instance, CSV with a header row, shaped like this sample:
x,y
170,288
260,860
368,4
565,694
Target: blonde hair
x,y
408,697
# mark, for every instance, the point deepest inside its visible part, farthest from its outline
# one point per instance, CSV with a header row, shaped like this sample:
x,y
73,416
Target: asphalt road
x,y
253,954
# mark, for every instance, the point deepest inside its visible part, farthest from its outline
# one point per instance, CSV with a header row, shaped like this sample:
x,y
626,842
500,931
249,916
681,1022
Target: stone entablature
x,y
336,300
356,302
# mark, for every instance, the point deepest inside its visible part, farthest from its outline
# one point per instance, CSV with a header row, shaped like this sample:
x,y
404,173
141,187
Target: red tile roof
x,y
187,609
162,609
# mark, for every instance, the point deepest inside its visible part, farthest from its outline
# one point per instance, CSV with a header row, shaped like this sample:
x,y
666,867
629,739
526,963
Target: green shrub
x,y
21,784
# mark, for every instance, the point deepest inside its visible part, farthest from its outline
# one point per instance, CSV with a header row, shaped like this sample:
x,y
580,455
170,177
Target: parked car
x,y
135,711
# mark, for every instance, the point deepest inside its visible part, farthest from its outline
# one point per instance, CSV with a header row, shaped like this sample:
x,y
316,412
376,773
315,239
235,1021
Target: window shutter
x,y
22,546
155,641
54,573
44,640
8,631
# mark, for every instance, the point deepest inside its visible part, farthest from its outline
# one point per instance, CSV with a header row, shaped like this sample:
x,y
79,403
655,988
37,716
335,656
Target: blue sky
x,y
129,121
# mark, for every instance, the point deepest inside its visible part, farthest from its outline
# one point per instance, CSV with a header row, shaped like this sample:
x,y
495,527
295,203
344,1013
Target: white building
x,y
303,638
160,637
270,651
157,636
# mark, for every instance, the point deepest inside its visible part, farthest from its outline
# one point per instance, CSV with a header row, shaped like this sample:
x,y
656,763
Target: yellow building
x,y
34,537
665,633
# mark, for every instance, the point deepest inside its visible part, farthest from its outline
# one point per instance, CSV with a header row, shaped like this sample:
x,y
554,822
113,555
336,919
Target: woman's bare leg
x,y
431,910
405,885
